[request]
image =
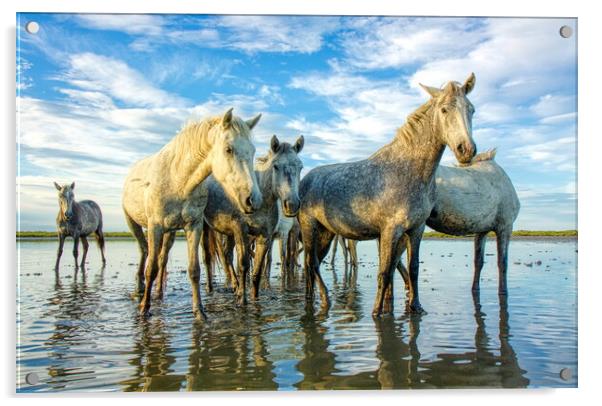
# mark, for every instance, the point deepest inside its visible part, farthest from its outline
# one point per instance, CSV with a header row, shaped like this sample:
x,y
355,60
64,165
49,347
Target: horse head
x,y
286,173
232,155
452,117
66,198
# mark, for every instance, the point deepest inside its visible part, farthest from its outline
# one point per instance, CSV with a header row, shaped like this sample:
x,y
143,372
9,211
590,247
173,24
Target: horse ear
x,y
57,186
274,143
253,122
299,144
433,91
469,84
227,118
72,185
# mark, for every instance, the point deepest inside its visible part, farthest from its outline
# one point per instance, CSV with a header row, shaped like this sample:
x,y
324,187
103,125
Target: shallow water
x,y
80,331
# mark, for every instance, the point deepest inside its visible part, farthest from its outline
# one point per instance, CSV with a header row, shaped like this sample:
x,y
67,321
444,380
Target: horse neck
x,y
189,153
416,149
266,186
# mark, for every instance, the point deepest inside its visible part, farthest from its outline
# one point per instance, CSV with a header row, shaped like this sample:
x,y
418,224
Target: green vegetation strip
x,y
429,234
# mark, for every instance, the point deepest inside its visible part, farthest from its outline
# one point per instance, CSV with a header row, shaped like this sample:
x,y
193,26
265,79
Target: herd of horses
x,y
204,182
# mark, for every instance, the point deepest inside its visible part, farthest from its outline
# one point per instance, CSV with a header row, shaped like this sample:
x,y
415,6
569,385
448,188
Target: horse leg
x,y
242,253
400,267
268,260
323,246
334,249
228,257
59,251
388,256
479,255
388,303
291,247
415,237
343,242
267,269
142,247
208,243
76,249
193,237
168,240
155,239
308,236
352,248
261,249
282,245
503,241
100,240
85,245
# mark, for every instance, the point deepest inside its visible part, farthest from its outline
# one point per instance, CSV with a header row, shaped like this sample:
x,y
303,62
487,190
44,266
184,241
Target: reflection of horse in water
x,y
483,367
220,360
72,306
153,360
399,358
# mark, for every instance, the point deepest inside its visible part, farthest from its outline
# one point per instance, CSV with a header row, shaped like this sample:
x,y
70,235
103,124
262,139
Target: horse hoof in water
x,y
416,308
199,315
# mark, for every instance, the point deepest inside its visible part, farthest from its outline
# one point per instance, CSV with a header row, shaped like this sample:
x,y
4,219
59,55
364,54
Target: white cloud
x,y
142,24
516,59
250,34
553,155
114,77
367,113
24,81
550,105
380,43
276,34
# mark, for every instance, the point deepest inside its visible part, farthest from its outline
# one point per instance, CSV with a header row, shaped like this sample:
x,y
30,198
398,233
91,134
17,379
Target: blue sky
x,y
95,93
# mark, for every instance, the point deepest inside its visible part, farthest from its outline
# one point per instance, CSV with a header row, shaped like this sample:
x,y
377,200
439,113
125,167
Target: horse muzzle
x,y
291,207
252,203
465,151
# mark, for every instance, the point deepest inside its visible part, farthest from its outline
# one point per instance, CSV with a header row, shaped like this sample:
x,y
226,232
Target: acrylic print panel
x,y
122,118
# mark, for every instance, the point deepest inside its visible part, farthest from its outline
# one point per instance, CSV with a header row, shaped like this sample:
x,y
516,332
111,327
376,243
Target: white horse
x,y
163,192
476,199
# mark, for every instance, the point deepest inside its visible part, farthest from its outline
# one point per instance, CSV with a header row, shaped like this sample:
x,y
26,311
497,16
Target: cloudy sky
x,y
95,93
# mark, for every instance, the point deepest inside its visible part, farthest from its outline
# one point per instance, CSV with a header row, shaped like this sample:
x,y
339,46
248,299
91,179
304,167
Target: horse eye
x,y
443,110
229,150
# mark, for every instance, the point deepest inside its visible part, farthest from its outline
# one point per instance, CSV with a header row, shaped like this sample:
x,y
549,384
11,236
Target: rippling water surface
x,y
79,331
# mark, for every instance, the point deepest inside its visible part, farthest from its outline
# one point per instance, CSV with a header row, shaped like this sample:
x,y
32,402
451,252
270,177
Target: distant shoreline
x,y
431,235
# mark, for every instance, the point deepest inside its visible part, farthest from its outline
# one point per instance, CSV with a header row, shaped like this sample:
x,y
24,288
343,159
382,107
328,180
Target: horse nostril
x,y
460,148
249,202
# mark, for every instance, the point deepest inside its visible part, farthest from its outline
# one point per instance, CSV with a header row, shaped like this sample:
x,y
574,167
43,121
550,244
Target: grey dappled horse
x,y
278,175
388,195
78,220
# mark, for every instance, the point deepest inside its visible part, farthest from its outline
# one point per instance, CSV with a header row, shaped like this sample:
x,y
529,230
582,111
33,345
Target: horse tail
x,y
485,156
100,238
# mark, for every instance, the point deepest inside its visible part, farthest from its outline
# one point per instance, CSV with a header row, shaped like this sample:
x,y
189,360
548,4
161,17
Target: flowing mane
x,y
415,123
419,119
193,137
